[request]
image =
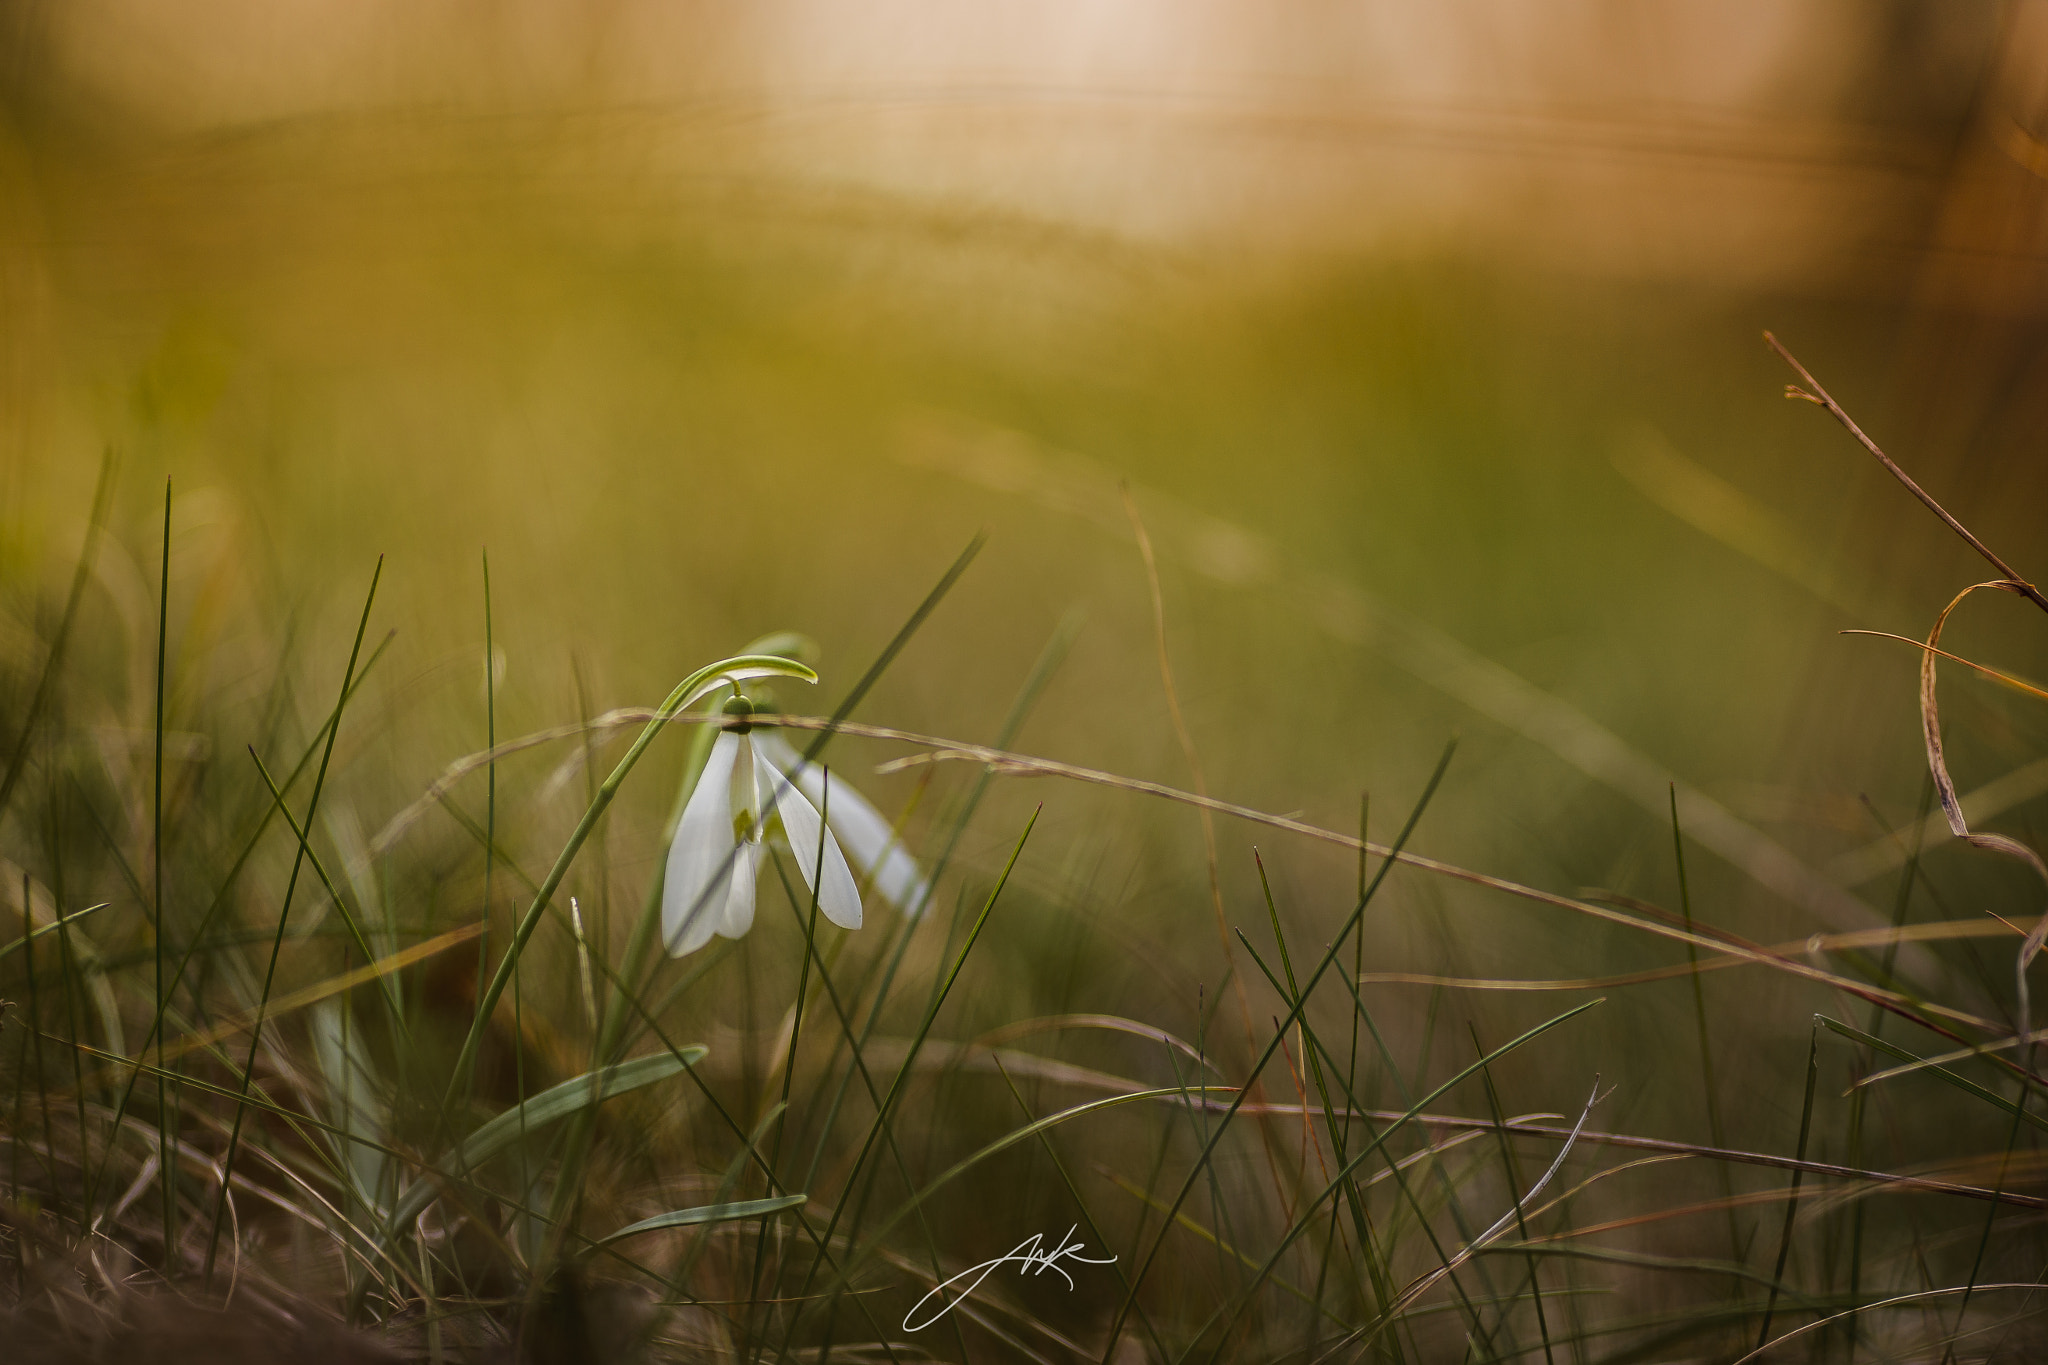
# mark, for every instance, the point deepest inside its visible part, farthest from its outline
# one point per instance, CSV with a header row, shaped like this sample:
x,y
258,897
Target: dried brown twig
x,y
1007,763
1930,712
1813,393
1952,806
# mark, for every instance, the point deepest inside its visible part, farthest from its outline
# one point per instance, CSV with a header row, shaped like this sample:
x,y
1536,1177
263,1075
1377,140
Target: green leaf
x,y
555,1102
1921,1064
44,931
560,1101
706,1213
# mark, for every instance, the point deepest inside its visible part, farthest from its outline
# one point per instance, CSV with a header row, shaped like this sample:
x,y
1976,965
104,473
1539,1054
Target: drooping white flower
x,y
870,841
740,799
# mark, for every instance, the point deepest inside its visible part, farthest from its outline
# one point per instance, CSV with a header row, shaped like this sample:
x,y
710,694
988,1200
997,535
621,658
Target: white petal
x,y
739,895
839,896
700,859
870,841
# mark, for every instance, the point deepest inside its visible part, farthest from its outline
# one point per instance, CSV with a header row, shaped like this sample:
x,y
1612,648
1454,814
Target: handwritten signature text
x,y
1030,1258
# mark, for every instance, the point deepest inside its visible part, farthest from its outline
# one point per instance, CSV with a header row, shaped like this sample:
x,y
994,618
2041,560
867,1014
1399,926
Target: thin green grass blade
x,y
2012,1138
1901,907
1792,1201
59,925
809,920
102,501
728,1180
1709,1088
1354,1201
167,1147
350,924
33,1041
1923,1066
1399,1177
1511,1170
68,963
1048,663
896,643
283,916
1315,977
483,942
707,1213
523,1229
1378,1143
1095,1230
885,1110
556,1102
1004,1144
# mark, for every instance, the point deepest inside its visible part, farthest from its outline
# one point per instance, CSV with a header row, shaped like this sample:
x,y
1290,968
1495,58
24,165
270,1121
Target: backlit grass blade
x,y
1378,1143
1792,1201
56,926
1050,657
1923,1067
886,1109
102,992
708,1213
556,1102
1354,1203
1329,956
166,1099
283,917
1407,1192
102,498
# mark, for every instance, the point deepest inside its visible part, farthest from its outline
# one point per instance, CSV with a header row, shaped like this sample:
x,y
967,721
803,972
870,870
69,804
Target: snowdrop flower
x,y
753,785
869,839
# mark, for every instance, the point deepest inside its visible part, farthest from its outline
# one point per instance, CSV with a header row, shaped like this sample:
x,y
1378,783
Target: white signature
x,y
1029,1258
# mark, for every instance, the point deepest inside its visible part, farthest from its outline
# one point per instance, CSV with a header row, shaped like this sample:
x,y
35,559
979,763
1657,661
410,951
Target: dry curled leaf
x,y
1951,804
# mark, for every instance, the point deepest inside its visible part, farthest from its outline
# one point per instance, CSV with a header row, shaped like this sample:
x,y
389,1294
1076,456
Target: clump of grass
x,y
273,1083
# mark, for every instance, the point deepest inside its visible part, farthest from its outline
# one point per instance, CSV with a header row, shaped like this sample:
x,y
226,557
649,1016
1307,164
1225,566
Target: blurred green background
x,y
1427,344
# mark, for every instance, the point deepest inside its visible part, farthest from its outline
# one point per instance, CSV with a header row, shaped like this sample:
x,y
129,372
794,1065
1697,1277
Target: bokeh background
x,y
1426,340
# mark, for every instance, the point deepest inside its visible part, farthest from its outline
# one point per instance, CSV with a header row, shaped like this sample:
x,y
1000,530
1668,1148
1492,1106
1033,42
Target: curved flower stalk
x,y
755,785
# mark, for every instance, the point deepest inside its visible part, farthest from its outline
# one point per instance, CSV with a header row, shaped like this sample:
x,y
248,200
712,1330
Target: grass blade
x,y
556,1102
1329,956
1792,1201
102,498
167,1149
283,915
707,1213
